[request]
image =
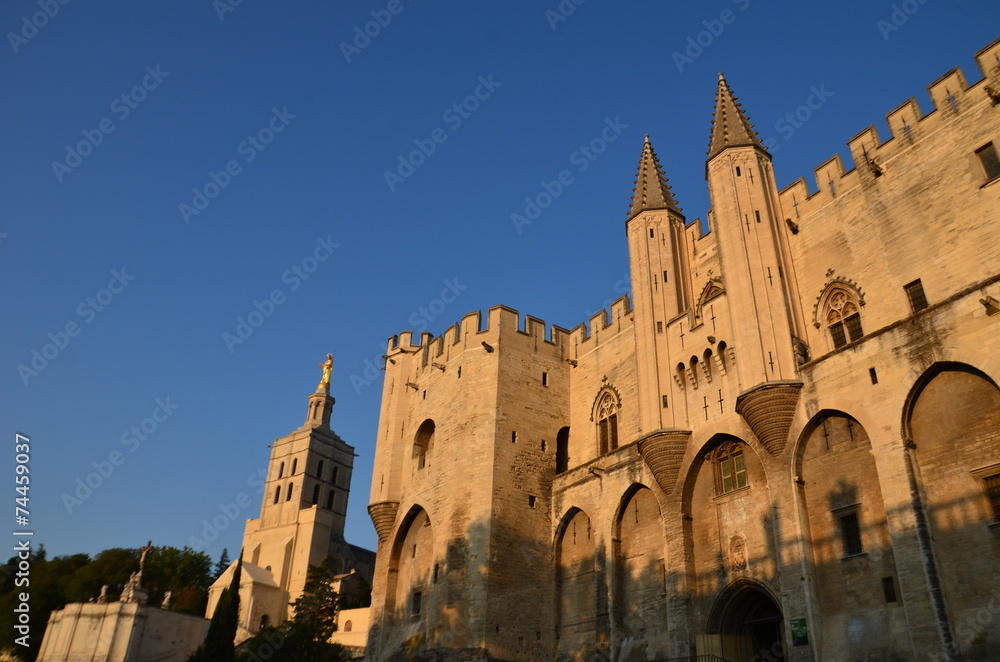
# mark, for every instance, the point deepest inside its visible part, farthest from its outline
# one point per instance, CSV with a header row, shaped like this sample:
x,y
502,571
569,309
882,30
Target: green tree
x,y
222,564
218,644
306,637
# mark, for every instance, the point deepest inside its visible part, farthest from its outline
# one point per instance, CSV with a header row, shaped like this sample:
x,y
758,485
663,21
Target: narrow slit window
x,y
329,500
850,534
545,379
889,589
873,375
651,233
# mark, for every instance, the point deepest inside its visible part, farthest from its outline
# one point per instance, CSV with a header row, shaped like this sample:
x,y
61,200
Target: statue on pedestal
x,y
324,383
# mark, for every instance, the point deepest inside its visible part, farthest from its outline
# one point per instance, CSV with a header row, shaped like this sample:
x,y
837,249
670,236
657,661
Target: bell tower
x,y
302,516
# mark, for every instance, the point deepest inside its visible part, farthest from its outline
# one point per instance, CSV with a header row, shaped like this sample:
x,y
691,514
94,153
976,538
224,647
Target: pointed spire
x,y
730,125
652,191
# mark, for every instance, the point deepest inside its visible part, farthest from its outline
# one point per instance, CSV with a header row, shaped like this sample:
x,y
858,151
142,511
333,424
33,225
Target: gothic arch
x,y
423,440
831,286
717,617
639,570
605,412
409,571
712,289
575,581
926,378
605,390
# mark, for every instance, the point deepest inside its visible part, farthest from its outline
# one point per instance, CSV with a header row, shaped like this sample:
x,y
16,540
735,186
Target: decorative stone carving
x,y
663,451
738,554
383,516
768,410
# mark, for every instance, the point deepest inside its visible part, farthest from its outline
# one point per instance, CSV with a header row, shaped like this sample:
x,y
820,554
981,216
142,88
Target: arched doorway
x,y
748,624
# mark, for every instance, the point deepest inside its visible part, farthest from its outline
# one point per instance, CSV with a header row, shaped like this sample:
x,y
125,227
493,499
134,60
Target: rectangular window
x,y
659,327
889,590
853,324
757,215
733,473
837,331
915,293
416,597
992,486
873,375
531,501
850,533
613,424
664,402
988,159
664,276
651,233
513,437
545,379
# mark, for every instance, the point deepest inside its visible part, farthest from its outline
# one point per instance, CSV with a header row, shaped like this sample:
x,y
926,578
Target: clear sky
x,y
168,167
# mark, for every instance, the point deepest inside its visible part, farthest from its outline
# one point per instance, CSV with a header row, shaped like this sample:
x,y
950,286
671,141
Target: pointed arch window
x,y
315,495
319,470
843,317
607,423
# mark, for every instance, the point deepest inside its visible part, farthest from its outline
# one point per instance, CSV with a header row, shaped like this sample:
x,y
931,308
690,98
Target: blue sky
x,y
172,168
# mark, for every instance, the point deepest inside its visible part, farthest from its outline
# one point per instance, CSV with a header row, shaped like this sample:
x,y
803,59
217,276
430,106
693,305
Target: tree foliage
x,y
306,637
218,644
75,578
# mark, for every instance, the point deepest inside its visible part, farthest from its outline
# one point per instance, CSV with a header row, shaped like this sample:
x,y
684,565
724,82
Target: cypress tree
x,y
218,644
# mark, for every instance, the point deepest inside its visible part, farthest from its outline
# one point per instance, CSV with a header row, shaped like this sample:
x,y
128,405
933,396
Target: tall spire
x,y
652,191
730,125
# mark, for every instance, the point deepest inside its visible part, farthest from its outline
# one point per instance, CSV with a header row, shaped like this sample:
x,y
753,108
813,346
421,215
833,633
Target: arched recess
x,y
562,450
640,571
422,443
409,588
952,419
728,527
576,589
846,528
747,614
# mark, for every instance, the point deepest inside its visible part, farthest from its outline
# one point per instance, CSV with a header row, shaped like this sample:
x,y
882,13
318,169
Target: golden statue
x,y
324,384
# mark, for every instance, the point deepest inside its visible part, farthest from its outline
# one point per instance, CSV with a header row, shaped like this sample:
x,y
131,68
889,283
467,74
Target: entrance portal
x,y
747,625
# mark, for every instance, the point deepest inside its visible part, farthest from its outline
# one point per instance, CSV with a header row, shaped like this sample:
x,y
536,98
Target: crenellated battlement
x,y
501,320
952,97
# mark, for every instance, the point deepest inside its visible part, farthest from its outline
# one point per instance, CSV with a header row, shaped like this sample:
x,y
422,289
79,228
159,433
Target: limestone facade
x,y
785,445
120,632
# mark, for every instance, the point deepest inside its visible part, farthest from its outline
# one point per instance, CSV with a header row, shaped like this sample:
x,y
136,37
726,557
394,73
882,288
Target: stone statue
x,y
102,599
324,383
133,591
168,599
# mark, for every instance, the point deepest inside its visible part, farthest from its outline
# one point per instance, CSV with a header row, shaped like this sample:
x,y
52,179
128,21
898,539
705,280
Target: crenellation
x,y
829,175
728,450
948,91
988,60
903,119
